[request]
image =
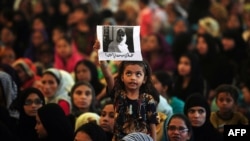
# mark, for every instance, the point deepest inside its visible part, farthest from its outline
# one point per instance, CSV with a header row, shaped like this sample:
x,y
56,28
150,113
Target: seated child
x,y
226,100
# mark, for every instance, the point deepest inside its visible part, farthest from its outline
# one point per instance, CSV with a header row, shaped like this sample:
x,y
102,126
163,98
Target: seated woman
x,y
52,124
198,112
179,127
27,73
56,85
107,119
119,42
31,99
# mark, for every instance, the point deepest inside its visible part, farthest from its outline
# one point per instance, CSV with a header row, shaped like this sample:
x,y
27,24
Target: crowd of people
x,y
193,79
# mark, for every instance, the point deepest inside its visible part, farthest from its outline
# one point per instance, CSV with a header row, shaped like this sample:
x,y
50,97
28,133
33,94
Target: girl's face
x,y
228,44
49,85
201,46
32,104
82,136
37,38
177,130
107,118
184,66
23,76
82,97
157,84
63,48
40,130
225,102
83,73
133,77
197,116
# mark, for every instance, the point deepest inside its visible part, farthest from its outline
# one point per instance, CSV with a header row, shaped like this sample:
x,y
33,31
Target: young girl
x,y
134,98
226,99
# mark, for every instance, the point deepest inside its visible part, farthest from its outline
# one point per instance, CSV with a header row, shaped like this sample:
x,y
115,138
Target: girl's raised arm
x,y
105,69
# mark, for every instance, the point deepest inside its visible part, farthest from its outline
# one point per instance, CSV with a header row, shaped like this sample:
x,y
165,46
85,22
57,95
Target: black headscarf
x,y
56,123
206,132
95,132
26,126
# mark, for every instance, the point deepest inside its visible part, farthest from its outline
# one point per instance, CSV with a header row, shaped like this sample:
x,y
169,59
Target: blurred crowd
x,y
192,46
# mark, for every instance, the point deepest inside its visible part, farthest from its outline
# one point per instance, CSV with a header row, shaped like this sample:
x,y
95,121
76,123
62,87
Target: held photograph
x,y
119,43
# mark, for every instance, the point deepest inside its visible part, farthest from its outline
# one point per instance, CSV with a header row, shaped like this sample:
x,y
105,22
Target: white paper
x,y
119,43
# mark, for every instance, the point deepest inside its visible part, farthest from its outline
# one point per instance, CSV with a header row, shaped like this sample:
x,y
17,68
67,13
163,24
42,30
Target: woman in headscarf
x,y
198,112
52,124
90,132
8,93
30,100
119,42
27,73
56,85
137,136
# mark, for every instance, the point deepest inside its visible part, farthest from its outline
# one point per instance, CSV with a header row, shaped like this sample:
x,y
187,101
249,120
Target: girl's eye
x,y
128,73
138,74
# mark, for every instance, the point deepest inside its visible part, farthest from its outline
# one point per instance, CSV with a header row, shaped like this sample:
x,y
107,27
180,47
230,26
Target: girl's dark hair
x,y
92,107
229,89
148,87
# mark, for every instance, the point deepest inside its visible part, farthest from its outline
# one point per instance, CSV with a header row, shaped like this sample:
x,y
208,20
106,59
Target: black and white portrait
x,y
119,42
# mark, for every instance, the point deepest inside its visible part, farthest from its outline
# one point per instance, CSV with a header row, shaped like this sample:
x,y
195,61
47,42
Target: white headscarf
x,y
66,81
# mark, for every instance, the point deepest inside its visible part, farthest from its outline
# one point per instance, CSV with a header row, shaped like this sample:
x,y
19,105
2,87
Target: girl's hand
x,y
96,46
